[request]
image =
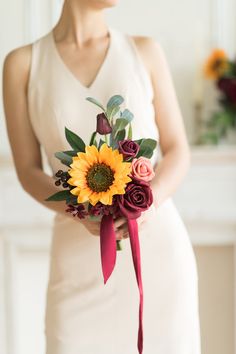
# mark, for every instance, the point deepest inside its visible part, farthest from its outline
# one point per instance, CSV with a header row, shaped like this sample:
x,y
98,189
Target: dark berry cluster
x,y
62,178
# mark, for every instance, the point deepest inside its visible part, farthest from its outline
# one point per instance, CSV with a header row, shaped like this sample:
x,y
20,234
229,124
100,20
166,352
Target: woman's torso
x,y
57,99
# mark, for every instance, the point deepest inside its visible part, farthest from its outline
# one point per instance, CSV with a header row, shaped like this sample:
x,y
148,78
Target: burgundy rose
x,y
137,198
228,87
103,126
128,148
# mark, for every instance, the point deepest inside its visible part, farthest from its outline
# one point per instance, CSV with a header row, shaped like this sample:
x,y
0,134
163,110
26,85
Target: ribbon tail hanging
x,y
135,247
107,246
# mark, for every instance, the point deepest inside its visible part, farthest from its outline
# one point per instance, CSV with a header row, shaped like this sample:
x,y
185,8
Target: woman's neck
x,y
80,22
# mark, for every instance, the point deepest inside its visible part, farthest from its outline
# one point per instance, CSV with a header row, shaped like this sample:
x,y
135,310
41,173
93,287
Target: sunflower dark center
x,y
100,177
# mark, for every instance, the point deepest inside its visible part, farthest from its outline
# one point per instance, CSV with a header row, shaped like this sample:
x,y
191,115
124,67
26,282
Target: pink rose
x,y
142,169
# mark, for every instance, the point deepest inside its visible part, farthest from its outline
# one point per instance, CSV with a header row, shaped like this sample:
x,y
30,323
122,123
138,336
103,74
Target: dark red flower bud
x,y
103,126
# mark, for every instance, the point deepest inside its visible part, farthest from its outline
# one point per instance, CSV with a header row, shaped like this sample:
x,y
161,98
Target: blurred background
x,y
189,32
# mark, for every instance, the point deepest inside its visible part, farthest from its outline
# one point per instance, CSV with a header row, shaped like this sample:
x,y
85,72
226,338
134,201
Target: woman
x,y
45,85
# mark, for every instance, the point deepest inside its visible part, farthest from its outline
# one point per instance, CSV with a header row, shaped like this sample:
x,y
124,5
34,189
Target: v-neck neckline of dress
x,y
71,74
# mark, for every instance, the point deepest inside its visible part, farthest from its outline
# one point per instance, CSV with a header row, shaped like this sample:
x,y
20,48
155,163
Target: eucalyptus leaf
x,y
111,111
74,140
70,152
126,114
120,135
96,102
120,124
115,100
63,157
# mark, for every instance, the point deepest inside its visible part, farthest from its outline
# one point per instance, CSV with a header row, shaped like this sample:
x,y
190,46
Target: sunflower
x,y
97,175
216,65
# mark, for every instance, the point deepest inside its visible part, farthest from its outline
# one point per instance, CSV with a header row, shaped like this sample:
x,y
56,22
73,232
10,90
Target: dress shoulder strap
x,y
139,64
39,50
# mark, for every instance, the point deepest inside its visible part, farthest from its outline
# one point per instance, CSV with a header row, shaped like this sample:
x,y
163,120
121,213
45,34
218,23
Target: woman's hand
x,y
120,225
91,225
121,228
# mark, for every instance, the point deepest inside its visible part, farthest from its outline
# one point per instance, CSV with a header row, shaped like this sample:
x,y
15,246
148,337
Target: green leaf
x,y
63,157
74,140
115,100
113,106
120,135
93,139
59,196
70,152
209,138
111,112
71,199
113,143
100,143
130,132
126,114
146,147
120,124
94,101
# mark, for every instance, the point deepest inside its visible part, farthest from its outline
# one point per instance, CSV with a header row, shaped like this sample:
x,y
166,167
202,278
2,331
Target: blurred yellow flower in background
x,y
216,65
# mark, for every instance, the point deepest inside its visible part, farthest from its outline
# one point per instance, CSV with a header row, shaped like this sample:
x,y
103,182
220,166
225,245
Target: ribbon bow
x,y
108,258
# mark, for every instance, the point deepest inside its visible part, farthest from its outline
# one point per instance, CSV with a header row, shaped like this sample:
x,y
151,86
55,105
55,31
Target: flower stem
x,y
118,245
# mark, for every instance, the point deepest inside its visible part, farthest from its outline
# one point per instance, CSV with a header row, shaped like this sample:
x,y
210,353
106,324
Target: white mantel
x,y
207,197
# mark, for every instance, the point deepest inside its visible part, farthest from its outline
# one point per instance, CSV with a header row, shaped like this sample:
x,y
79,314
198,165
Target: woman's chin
x,y
102,4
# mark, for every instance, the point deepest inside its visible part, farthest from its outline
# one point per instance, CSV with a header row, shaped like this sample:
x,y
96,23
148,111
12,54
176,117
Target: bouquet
x,y
222,70
108,178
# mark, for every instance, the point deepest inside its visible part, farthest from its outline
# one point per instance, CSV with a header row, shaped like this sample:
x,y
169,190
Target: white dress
x,y
84,316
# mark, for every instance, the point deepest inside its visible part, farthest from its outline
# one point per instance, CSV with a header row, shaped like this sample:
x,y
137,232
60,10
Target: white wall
x,y
186,30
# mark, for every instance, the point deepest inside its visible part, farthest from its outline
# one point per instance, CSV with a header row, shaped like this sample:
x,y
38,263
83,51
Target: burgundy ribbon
x,y
108,257
108,246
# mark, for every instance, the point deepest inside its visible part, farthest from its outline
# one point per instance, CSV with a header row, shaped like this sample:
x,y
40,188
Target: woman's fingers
x,y
122,232
121,228
92,226
120,225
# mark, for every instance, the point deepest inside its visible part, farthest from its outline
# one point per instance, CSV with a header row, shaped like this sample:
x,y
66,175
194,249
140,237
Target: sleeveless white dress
x,y
84,316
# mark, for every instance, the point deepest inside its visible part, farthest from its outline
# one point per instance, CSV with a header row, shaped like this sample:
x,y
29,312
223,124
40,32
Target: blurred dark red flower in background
x,y
228,87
